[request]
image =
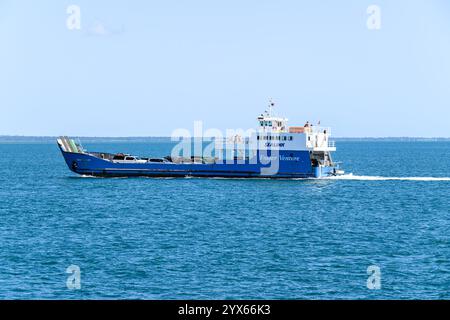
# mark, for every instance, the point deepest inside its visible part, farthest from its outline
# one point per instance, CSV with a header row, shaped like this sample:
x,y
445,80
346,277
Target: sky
x,y
146,68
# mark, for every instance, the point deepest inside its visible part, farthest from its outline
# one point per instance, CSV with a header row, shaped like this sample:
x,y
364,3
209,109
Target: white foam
x,y
380,178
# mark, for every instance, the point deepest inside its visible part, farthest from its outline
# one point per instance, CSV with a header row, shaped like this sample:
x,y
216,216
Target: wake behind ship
x,y
273,150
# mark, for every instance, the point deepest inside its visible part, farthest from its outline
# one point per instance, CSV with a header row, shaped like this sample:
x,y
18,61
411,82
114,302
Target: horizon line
x,y
164,136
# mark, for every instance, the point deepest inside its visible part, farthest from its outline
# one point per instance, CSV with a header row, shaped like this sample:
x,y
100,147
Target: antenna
x,y
271,105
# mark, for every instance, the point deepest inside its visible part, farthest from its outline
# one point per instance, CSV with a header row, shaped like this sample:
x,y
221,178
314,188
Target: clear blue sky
x,y
140,68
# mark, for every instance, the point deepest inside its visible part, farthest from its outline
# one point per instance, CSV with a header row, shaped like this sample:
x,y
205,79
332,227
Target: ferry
x,y
272,150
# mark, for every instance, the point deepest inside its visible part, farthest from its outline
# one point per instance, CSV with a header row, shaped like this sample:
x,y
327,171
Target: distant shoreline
x,y
51,139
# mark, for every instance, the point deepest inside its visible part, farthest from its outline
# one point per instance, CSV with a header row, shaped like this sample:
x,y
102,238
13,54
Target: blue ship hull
x,y
298,166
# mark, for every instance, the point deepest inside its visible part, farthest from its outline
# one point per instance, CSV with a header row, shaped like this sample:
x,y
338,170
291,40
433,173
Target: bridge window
x,y
290,138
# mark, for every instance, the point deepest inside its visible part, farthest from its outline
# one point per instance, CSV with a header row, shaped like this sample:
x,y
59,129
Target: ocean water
x,y
142,238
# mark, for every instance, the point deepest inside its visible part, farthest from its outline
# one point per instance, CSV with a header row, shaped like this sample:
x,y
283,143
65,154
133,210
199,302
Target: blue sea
x,y
192,238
